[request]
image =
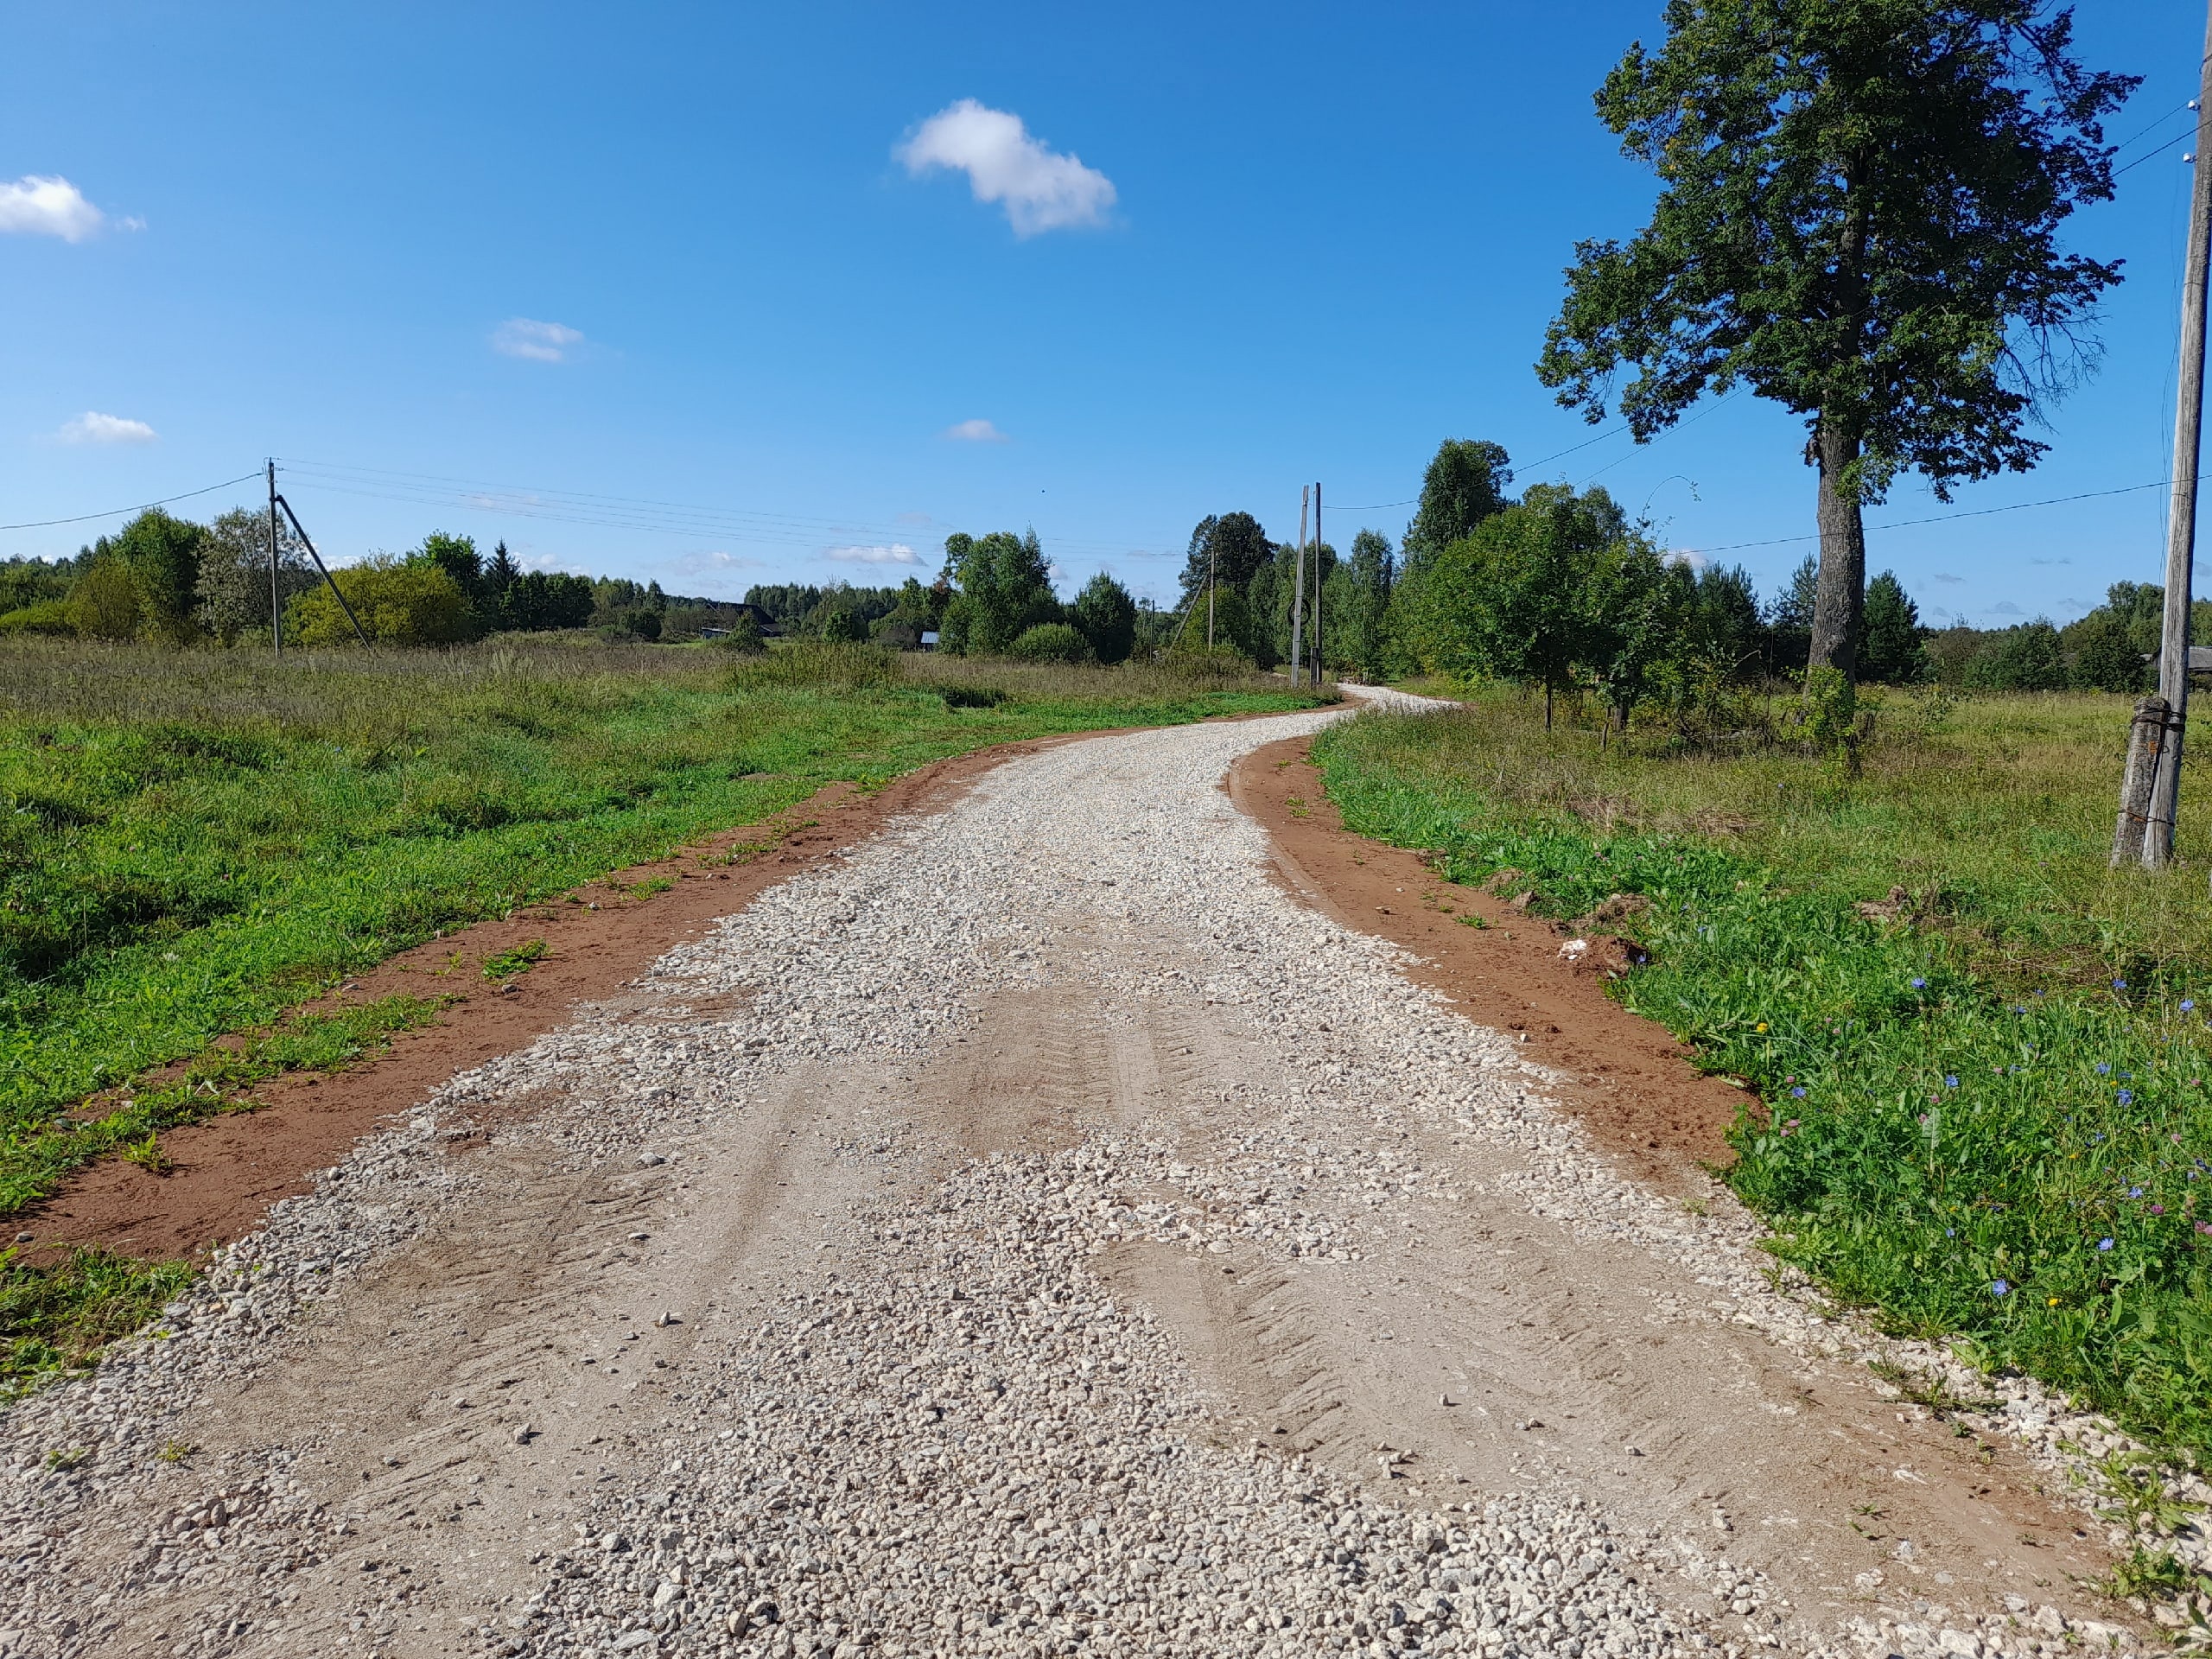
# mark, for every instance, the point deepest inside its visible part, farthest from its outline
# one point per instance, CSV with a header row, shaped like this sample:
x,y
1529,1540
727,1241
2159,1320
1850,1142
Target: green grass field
x,y
195,841
1986,1116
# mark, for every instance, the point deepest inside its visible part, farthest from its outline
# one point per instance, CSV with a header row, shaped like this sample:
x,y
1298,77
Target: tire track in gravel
x,y
924,1262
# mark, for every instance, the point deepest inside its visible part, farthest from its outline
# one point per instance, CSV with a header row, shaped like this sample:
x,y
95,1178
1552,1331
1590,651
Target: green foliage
x,y
1226,548
1357,632
1050,642
505,964
842,626
1892,650
397,602
231,589
108,601
2026,658
1005,589
1947,1124
58,1319
1465,483
1858,219
1107,617
161,553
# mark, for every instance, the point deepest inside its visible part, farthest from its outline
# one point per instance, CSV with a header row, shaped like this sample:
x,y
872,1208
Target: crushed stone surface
x,y
1040,1234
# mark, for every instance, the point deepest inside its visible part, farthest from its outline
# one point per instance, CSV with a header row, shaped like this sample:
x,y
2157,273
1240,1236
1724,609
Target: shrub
x,y
2026,658
398,604
54,616
1050,642
744,637
1107,617
107,603
817,661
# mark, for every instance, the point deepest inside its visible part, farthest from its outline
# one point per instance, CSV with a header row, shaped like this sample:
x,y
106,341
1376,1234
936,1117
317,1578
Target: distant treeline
x,y
167,578
1558,588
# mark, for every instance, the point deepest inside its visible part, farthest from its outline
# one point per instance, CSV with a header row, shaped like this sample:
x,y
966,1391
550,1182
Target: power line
x,y
117,512
1946,518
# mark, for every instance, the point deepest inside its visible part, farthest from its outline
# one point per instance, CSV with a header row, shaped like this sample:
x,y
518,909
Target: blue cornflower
x,y
1919,984
2187,1003
2000,1287
1951,1232
1950,1080
1798,1093
2120,984
2104,1243
2104,1068
2127,1096
2134,1191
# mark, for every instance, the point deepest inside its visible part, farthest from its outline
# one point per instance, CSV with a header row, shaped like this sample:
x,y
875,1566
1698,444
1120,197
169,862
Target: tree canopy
x,y
1859,221
1466,484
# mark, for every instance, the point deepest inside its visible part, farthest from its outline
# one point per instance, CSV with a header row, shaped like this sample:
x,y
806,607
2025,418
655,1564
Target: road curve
x,y
1041,1233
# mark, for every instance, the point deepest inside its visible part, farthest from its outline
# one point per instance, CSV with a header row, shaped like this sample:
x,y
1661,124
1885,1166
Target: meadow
x,y
1977,1057
195,841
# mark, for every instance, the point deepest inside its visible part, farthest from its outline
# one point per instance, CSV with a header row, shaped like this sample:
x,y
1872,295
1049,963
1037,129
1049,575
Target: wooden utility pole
x,y
2181,519
1298,597
1320,663
275,590
1212,543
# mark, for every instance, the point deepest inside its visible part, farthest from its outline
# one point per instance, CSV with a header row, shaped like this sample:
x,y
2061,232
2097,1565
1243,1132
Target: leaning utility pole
x,y
1298,597
2181,520
275,595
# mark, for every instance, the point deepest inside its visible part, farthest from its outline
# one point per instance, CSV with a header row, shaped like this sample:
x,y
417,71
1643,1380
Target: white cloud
x,y
897,553
1689,556
535,341
91,427
1042,191
33,206
973,432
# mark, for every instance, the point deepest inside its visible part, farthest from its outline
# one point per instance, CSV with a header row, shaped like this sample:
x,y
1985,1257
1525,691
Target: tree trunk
x,y
1842,595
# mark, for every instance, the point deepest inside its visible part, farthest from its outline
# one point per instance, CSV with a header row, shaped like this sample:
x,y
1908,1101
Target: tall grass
x,y
1982,1110
191,842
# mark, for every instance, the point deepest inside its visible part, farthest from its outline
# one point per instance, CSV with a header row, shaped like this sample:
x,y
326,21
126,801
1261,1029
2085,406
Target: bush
x,y
744,637
398,604
107,603
819,662
55,616
2026,658
971,696
1050,642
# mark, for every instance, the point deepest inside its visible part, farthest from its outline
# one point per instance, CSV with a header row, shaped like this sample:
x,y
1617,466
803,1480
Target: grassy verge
x,y
1980,1105
192,842
57,1320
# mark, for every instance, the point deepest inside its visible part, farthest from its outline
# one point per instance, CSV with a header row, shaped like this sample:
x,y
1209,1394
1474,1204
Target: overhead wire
x,y
143,506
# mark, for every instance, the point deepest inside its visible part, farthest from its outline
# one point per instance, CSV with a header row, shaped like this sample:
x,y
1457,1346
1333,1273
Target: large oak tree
x,y
1860,221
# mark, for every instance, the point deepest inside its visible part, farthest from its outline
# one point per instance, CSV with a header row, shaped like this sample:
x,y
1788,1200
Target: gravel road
x,y
1043,1233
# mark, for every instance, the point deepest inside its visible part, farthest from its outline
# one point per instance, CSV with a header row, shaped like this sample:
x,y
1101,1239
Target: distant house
x,y
929,639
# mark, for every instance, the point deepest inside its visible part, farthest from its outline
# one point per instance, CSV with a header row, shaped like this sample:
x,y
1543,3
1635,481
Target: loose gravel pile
x,y
956,1439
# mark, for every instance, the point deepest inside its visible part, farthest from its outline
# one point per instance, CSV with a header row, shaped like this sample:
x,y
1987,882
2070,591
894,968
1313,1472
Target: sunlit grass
x,y
1991,1123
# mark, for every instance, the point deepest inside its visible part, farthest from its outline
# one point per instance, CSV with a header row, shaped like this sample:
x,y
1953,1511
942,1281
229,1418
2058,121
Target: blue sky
x,y
707,294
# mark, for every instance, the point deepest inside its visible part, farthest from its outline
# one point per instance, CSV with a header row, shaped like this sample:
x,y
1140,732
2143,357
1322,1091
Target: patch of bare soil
x,y
1637,1091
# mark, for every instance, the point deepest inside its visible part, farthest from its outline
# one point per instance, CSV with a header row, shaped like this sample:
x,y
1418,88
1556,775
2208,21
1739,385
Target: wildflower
x,y
2187,1003
2204,1226
2104,1243
1791,1124
1951,1232
2120,984
2134,1191
2000,1289
2158,1209
2053,1301
1798,1093
1951,1080
2104,1068
1919,984
2127,1096
1762,1026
